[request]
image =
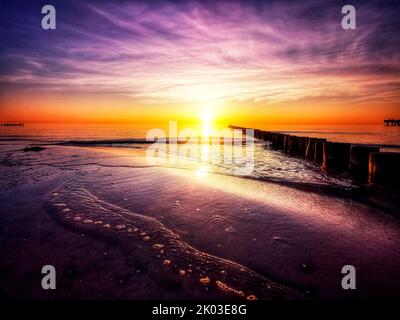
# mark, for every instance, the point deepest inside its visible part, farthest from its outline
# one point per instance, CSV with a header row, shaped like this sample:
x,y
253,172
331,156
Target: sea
x,y
203,220
387,137
266,164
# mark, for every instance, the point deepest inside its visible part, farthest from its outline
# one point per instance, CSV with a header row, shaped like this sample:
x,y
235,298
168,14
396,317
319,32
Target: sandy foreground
x,y
116,227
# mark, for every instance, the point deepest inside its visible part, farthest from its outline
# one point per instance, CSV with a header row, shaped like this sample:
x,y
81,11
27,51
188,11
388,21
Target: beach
x,y
167,152
116,227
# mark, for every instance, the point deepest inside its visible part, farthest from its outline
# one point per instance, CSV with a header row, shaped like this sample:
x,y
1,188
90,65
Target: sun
x,y
206,127
207,116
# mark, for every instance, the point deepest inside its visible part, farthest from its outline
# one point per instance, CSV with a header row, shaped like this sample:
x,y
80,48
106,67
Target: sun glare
x,y
207,116
206,128
202,171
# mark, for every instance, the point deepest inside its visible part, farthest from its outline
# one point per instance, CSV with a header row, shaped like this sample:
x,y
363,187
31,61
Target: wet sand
x,y
115,227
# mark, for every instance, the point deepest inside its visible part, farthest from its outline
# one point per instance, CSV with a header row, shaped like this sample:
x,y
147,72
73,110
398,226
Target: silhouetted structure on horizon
x,y
391,122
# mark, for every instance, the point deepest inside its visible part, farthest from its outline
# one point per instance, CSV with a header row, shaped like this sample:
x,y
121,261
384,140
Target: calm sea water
x,y
268,164
267,222
369,134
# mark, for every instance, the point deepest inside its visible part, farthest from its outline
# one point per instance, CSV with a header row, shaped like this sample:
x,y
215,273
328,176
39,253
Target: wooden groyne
x,y
365,164
391,122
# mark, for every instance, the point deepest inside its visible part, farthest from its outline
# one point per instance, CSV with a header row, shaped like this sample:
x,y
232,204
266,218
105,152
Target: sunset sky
x,y
243,62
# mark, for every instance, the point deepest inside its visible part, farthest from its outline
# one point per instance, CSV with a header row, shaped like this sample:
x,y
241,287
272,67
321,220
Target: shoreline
x,y
272,215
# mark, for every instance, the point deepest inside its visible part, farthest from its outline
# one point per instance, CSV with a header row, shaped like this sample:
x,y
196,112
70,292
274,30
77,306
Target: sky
x,y
245,62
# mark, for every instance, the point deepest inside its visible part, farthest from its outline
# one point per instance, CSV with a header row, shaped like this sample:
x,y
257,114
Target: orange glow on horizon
x,y
118,109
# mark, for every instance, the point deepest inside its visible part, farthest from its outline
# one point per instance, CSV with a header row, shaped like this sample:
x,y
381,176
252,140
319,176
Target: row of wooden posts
x,y
391,122
364,163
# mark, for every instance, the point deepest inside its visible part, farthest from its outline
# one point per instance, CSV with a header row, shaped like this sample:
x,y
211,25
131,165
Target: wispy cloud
x,y
187,50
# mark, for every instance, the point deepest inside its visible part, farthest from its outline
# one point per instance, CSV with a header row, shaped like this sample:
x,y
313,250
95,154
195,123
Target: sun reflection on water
x,y
202,171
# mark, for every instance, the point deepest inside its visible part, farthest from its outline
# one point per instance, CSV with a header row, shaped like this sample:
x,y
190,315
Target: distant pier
x,y
391,122
11,124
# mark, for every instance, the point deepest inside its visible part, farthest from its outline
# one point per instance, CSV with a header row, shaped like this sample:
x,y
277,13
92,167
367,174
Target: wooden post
x,y
336,156
384,170
359,161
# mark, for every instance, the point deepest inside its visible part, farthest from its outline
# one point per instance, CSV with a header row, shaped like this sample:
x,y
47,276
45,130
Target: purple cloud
x,y
188,51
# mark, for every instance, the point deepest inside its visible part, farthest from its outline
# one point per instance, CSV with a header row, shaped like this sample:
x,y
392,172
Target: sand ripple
x,y
155,246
